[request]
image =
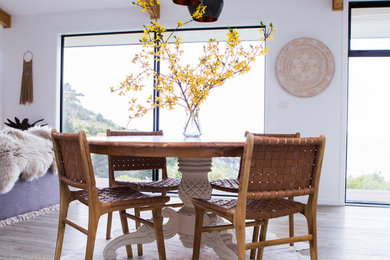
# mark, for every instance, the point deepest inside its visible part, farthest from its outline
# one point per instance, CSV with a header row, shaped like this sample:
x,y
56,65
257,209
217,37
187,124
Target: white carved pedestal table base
x,y
194,184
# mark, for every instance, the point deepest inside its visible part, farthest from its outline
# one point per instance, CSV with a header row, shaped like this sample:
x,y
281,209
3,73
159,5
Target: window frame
x,y
364,53
156,110
361,53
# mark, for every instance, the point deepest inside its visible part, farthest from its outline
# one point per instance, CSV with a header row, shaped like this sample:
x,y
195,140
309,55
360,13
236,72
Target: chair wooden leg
x,y
109,224
254,239
199,214
158,220
240,235
291,223
263,234
125,229
92,228
64,206
312,228
291,227
137,212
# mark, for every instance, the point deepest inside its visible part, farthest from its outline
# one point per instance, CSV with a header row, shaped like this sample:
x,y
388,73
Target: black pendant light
x,y
186,2
212,12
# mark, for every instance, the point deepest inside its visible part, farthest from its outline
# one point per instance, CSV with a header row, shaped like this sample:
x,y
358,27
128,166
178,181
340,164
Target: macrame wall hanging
x,y
27,90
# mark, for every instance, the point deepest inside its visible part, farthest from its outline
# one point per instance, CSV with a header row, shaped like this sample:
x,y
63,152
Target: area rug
x,y
28,216
32,215
176,251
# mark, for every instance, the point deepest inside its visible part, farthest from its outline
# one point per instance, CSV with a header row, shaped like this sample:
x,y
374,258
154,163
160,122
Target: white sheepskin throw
x,y
25,154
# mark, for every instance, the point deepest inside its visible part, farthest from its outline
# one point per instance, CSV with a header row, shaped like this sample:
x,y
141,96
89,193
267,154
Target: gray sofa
x,y
28,196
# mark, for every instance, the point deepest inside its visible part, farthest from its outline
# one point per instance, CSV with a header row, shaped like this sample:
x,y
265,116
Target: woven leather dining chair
x,y
132,163
272,169
231,185
77,182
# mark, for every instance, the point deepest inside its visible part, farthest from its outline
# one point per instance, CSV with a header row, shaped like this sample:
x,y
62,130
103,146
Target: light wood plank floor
x,y
343,233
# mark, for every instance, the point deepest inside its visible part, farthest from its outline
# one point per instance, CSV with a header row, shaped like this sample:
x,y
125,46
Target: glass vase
x,y
191,124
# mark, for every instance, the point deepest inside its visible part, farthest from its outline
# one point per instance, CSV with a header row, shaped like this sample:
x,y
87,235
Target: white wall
x,y
322,114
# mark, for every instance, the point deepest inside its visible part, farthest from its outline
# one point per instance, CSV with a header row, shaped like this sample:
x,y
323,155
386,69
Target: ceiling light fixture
x,y
212,12
186,2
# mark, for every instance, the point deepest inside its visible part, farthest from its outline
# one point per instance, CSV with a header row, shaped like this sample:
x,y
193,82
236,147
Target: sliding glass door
x,y
368,149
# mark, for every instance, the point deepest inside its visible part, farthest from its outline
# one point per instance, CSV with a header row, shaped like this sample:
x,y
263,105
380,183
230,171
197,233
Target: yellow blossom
x,y
186,85
200,10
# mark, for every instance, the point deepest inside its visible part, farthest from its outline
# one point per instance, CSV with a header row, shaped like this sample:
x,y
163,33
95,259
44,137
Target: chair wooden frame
x,y
126,163
75,170
231,185
262,194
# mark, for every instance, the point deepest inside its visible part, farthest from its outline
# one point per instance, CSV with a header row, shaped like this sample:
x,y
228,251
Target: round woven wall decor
x,y
305,67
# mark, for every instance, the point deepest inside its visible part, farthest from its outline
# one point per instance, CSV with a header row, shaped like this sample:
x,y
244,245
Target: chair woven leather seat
x,y
229,185
117,196
255,209
163,185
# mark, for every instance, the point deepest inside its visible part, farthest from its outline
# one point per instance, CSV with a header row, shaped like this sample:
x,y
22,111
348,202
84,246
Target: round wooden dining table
x,y
194,161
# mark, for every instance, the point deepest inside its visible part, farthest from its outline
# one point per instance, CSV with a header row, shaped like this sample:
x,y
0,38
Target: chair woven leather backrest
x,y
124,163
73,160
296,135
282,167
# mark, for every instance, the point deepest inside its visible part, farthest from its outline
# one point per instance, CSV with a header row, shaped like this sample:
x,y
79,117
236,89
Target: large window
x,y
94,63
368,150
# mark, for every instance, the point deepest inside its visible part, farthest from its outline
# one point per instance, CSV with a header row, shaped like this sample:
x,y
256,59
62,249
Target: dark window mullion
x,y
156,93
369,53
369,4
